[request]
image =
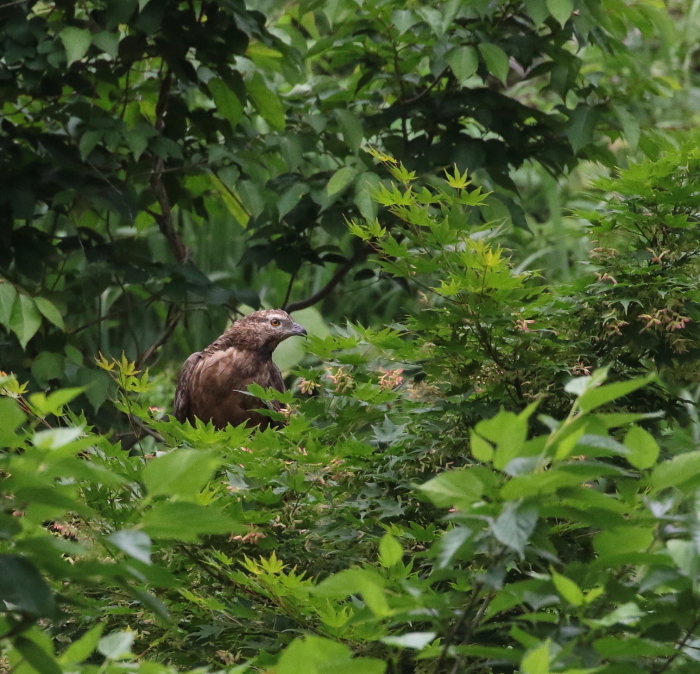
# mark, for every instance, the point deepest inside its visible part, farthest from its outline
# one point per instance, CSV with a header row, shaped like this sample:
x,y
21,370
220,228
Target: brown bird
x,y
213,383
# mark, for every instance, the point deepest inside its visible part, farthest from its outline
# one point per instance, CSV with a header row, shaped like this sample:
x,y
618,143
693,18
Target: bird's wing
x,y
276,382
183,403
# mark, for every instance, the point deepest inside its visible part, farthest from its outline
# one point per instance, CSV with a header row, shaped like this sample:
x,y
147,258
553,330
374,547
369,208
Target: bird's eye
x,y
274,322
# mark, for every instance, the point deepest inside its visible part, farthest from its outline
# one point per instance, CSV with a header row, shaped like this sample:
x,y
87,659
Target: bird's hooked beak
x,y
298,329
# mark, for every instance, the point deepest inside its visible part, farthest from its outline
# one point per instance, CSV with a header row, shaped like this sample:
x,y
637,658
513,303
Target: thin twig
x,y
360,254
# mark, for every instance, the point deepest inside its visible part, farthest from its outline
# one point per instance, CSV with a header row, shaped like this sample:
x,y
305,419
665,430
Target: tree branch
x,y
358,256
170,325
165,217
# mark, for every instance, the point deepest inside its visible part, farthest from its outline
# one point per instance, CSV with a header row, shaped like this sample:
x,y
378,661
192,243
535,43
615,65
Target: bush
x,y
468,492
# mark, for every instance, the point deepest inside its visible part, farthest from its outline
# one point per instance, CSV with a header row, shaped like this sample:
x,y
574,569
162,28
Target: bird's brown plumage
x,y
213,383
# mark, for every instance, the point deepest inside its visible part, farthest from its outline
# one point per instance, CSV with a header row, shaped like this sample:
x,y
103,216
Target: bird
x,y
213,383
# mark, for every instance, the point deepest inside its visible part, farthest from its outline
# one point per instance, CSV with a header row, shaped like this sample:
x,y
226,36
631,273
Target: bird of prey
x,y
213,383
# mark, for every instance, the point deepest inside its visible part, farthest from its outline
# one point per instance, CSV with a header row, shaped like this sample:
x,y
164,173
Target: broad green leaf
x,y
116,646
538,11
40,660
267,102
561,10
76,42
390,551
626,614
88,141
403,20
84,647
23,586
182,472
133,542
226,101
595,397
317,655
11,417
290,198
350,128
25,319
496,60
685,556
509,432
481,449
54,402
8,295
50,312
340,180
676,471
619,540
536,661
464,61
47,366
231,200
629,646
514,526
458,487
183,521
353,581
581,125
644,450
567,588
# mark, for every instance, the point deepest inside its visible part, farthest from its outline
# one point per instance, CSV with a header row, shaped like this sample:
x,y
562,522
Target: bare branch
x,y
358,256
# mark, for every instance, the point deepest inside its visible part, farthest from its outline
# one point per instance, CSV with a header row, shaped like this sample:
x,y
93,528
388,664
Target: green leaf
x,y
88,141
350,128
11,417
183,521
581,125
8,295
630,125
481,450
496,60
644,450
536,661
567,588
290,198
595,397
316,655
182,472
50,312
458,487
25,319
133,542
538,11
84,647
628,646
23,586
464,62
116,646
37,657
267,102
47,366
340,180
226,101
76,42
561,10
619,540
231,200
676,471
390,551
357,581
515,525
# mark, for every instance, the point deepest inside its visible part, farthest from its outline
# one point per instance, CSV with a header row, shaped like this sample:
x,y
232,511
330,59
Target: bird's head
x,y
264,329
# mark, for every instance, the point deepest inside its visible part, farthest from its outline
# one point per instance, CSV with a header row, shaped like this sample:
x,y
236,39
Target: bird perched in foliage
x,y
213,383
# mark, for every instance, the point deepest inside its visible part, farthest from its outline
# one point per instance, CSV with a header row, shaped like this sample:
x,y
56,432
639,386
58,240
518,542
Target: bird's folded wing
x,y
183,402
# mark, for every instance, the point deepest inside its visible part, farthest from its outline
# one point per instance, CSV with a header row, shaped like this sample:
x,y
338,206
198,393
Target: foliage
x,y
393,525
164,163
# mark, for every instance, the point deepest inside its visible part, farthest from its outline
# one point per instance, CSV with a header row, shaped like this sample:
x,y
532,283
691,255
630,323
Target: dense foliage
x,y
490,463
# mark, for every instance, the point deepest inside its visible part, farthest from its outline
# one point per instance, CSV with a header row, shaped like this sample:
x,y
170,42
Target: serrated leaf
x,y
226,101
496,60
50,312
267,102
